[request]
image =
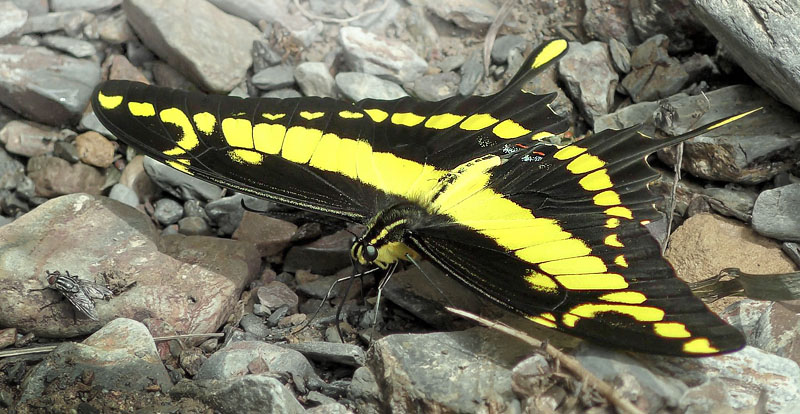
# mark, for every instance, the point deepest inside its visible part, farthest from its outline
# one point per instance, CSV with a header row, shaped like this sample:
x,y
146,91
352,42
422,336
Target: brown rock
x,y
55,176
8,337
121,68
706,244
270,235
135,178
29,139
95,149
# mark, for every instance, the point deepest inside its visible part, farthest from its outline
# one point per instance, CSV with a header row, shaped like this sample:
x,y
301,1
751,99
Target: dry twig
x,y
312,16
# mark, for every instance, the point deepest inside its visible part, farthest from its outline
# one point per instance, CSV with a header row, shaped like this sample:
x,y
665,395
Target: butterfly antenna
x,y
376,312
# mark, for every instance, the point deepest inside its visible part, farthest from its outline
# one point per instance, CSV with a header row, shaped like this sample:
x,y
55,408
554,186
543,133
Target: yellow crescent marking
x,y
377,115
509,129
350,115
620,261
613,241
188,139
633,298
612,223
273,117
109,102
619,211
699,346
407,119
584,164
311,115
671,330
443,121
598,180
478,121
568,152
542,321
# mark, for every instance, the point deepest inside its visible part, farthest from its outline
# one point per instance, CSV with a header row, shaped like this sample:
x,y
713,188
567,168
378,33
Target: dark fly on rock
x,y
80,293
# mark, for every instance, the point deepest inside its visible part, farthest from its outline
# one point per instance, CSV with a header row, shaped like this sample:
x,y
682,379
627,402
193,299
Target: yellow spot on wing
x,y
600,281
443,121
556,250
141,108
179,166
238,132
311,115
350,115
640,313
619,212
324,156
519,234
273,117
188,139
549,52
509,129
377,115
620,261
268,138
109,102
300,143
540,135
585,163
699,346
607,198
612,223
671,330
574,266
205,122
570,319
598,180
542,321
568,152
407,119
633,298
244,156
540,281
478,122
613,241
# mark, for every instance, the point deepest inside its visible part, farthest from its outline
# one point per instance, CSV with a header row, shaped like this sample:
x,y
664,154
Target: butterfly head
x,y
383,243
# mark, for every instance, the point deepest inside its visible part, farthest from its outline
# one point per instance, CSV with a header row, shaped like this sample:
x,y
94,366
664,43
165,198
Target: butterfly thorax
x,y
383,242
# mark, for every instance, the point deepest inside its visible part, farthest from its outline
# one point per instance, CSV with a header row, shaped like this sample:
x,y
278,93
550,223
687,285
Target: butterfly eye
x,y
370,253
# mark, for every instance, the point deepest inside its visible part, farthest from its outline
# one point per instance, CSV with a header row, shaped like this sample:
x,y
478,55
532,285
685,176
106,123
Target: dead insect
x,y
80,293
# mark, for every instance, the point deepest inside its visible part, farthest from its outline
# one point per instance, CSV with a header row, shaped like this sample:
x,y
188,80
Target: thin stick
x,y
570,363
50,348
491,34
312,16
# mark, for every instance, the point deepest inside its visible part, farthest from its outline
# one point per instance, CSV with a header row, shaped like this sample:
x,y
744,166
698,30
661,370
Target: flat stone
x,y
190,283
324,256
124,194
436,87
760,36
347,354
227,212
87,5
776,213
276,294
167,211
270,235
8,337
388,58
209,46
357,86
54,177
11,18
71,22
44,86
275,77
135,178
122,357
314,79
234,360
468,14
75,47
245,394
30,139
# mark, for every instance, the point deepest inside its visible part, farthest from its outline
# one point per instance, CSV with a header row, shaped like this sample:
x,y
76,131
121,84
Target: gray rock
x,y
367,52
410,375
71,22
204,43
11,18
776,213
594,89
124,194
276,77
324,256
122,242
282,94
194,226
314,79
46,87
239,358
30,139
121,355
749,151
179,184
276,294
357,86
733,197
90,122
468,14
710,396
9,168
612,366
167,211
75,47
328,408
777,330
655,74
254,325
750,374
270,235
227,212
66,150
670,17
87,5
471,74
33,7
793,251
275,12
503,46
263,56
346,354
245,394
620,56
364,392
605,20
114,29
436,87
760,35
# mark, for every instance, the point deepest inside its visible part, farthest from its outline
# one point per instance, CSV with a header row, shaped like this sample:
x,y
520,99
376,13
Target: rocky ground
x,y
184,257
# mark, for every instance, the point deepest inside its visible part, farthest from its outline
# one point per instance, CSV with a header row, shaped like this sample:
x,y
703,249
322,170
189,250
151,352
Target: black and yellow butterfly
x,y
554,233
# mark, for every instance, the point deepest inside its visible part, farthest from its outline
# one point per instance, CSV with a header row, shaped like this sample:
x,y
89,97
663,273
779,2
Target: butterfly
x,y
554,233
